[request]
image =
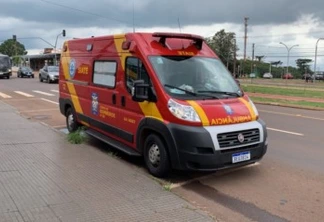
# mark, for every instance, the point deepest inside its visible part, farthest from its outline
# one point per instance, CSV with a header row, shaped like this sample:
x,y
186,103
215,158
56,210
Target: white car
x,y
267,75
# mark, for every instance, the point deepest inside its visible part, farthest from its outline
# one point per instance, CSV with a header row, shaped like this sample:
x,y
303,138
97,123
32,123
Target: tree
x,y
223,44
11,48
303,65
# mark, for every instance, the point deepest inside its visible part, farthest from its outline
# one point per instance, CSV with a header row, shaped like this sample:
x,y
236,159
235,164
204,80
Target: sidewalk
x,y
44,178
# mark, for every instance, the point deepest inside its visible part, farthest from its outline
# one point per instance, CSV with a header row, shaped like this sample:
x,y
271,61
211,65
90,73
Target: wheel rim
x,y
154,155
70,120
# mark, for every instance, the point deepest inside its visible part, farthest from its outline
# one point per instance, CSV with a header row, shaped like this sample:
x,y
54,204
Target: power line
x,y
86,12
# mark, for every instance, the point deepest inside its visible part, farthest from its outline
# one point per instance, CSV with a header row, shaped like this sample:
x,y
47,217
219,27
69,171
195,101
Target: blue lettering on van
x,y
72,68
94,103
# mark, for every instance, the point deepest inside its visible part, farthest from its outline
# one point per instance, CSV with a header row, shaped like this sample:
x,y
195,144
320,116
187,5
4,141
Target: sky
x,y
38,23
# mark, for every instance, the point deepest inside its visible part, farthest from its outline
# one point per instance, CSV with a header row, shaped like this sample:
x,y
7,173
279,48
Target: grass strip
x,y
284,91
284,102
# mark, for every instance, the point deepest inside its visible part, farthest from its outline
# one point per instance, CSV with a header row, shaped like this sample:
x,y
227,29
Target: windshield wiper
x,y
183,90
221,92
189,92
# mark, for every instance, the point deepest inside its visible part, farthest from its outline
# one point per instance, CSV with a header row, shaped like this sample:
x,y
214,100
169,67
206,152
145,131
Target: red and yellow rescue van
x,y
164,96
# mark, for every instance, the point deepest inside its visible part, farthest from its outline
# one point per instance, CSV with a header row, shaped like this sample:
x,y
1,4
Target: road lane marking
x,y
283,131
5,96
293,115
50,101
39,110
43,93
56,91
24,94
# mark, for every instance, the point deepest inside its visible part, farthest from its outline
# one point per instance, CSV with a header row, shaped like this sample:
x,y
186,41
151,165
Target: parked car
x,y
287,76
319,76
49,74
25,71
252,75
267,75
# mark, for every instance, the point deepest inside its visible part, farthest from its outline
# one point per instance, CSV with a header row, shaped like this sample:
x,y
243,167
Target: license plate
x,y
240,157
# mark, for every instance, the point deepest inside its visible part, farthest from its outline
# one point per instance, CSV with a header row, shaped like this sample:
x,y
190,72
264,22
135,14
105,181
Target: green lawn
x,y
301,104
277,90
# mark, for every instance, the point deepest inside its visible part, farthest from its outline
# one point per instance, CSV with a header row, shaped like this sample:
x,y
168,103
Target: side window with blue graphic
x,y
105,73
72,68
94,103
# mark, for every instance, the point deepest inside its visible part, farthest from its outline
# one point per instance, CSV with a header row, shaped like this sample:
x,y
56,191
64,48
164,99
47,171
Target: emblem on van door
x,y
228,109
94,103
72,68
240,138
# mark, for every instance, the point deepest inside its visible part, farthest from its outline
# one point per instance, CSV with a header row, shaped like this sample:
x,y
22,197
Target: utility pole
x,y
253,52
234,63
245,35
245,39
252,57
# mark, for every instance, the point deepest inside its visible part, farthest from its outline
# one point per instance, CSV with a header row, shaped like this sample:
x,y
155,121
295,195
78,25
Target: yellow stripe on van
x,y
65,65
248,105
119,39
149,109
201,113
75,98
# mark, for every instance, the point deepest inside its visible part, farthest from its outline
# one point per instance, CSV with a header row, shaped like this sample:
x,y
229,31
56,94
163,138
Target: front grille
x,y
227,140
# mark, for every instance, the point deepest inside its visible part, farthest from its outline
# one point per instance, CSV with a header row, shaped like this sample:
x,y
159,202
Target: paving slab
x,y
45,178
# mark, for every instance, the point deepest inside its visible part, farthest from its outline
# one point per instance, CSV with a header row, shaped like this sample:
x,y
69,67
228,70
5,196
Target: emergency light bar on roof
x,y
197,40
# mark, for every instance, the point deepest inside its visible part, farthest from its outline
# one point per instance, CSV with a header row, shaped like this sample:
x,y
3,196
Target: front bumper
x,y
5,74
197,151
54,78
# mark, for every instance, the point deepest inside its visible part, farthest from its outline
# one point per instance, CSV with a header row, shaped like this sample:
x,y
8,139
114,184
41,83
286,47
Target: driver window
x,y
135,70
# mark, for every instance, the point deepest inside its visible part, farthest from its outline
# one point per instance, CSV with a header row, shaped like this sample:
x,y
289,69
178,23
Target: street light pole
x,y
316,54
288,49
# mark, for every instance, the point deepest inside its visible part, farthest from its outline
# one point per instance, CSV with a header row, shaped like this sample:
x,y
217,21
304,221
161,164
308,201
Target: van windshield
x,y
4,61
184,76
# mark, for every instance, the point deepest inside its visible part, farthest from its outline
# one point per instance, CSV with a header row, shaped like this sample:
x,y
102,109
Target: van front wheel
x,y
71,123
156,156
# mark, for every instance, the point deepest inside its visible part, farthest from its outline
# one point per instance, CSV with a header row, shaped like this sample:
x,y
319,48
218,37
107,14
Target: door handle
x,y
114,98
123,101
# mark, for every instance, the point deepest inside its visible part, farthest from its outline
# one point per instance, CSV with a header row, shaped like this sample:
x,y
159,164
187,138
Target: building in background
x,y
37,62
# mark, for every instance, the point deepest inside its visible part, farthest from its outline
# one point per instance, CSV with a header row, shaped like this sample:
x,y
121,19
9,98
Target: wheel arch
x,y
153,126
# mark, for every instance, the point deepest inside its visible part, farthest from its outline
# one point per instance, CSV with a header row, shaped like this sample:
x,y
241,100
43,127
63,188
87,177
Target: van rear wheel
x,y
71,122
155,156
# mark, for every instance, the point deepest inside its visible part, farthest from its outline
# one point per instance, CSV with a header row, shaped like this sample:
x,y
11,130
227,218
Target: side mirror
x,y
140,91
238,82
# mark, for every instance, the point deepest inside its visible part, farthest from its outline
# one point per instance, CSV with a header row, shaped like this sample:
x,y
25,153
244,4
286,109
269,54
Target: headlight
x,y
254,109
9,70
51,75
183,112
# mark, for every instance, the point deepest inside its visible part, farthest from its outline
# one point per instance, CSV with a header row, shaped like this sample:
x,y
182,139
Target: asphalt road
x,y
287,185
33,99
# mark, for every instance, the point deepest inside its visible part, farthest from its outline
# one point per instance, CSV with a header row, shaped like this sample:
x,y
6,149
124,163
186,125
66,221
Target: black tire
x,y
156,156
40,78
74,125
48,80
